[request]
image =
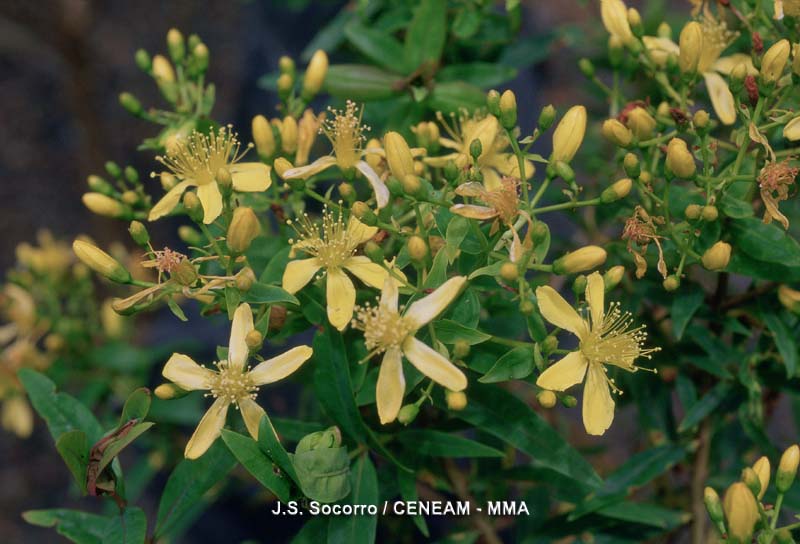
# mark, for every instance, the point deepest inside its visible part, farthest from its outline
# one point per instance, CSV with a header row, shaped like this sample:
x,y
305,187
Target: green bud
x,y
586,67
631,165
579,285
190,236
709,214
713,505
139,233
475,149
784,536
245,279
131,104
508,110
549,344
185,273
451,172
461,349
374,252
671,283
493,102
98,184
169,391
546,117
750,479
143,60
131,175
193,206
565,171
408,414
113,170
569,401
176,45
787,469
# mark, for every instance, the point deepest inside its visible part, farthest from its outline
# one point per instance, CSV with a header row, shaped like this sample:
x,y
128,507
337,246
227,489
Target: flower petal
x,y
391,386
431,363
341,296
725,65
240,328
169,201
211,199
298,273
389,295
424,310
252,413
208,430
721,97
305,172
441,162
558,311
378,186
370,273
598,406
277,368
564,373
358,231
595,296
472,211
186,374
250,177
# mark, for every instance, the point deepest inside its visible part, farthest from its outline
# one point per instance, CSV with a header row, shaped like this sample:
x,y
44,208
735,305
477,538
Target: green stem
x,y
567,206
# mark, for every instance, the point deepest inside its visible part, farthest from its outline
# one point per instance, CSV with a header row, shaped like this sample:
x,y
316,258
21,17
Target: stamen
x,y
346,133
232,384
382,328
331,242
199,156
613,341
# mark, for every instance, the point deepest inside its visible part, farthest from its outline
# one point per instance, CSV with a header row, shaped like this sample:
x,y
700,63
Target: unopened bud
x,y
579,285
717,256
456,400
100,261
741,512
693,211
223,178
168,181
193,206
289,133
285,84
546,117
713,505
176,44
569,401
614,15
417,248
700,119
750,479
792,130
568,135
475,149
162,70
691,47
139,233
346,191
243,229
263,136
245,279
190,236
774,61
281,165
580,260
635,20
679,160
461,349
619,189
762,470
315,75
508,110
103,205
364,213
131,104
412,185
200,55
509,272
784,536
398,155
169,391
564,171
375,252
98,184
787,469
546,398
143,61
254,339
493,102
586,67
616,51
407,414
709,213
671,283
617,133
641,123
286,65
789,298
185,273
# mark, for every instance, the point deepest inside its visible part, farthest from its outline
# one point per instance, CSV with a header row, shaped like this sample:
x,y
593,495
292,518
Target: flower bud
x,y
139,233
700,119
398,155
631,165
774,61
98,184
709,213
508,110
131,104
461,349
190,236
289,135
476,148
679,160
751,480
615,18
176,44
143,61
363,212
580,260
285,84
617,133
713,505
784,536
635,20
168,181
185,273
616,51
613,276
762,470
741,512
546,398
586,67
169,391
789,298
792,130
691,47
456,400
263,136
569,401
200,55
717,256
671,283
100,261
281,165
286,65
509,272
619,189
417,248
427,135
162,70
315,74
254,339
193,206
245,279
568,135
493,102
103,205
413,186
243,229
546,117
693,211
564,171
787,469
579,285
641,123
407,414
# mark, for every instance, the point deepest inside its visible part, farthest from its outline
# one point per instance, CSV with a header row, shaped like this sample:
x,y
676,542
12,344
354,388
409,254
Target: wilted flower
x,y
775,181
642,229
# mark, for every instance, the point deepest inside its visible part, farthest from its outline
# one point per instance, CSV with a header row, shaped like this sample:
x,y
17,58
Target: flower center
x,y
613,341
232,384
504,200
346,134
200,156
331,243
383,328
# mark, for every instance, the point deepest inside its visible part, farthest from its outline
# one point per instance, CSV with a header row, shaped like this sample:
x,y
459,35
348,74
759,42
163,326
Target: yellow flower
x,y
569,133
196,161
17,416
332,248
233,382
615,18
741,511
307,130
346,134
605,339
493,162
388,331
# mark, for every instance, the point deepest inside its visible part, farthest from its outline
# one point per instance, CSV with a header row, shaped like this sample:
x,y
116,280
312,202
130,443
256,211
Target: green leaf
x,y
490,270
450,97
503,415
426,34
438,272
480,74
707,404
315,531
73,446
188,483
247,452
232,299
450,332
324,473
176,310
357,528
745,265
127,527
136,406
261,293
765,242
269,444
79,527
685,304
407,482
646,514
466,23
61,412
378,46
114,447
361,82
514,365
784,341
441,444
457,229
273,272
735,208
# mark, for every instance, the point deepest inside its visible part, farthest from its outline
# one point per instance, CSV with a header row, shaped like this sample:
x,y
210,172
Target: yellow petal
x,y
792,130
565,373
389,296
431,363
298,273
17,416
598,406
168,201
250,177
208,430
471,189
423,311
358,231
378,186
185,373
721,97
252,413
725,65
491,179
211,199
391,386
341,296
441,162
240,328
305,172
558,311
595,296
279,367
472,211
370,273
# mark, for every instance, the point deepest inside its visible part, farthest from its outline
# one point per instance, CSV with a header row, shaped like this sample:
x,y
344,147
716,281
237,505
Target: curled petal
x,y
250,177
279,367
305,172
358,231
208,430
185,373
252,413
721,97
391,386
595,296
472,211
725,65
431,363
240,328
211,199
169,201
471,189
378,186
423,311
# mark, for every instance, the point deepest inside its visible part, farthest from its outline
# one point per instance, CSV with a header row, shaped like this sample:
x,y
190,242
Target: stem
x,y
568,205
